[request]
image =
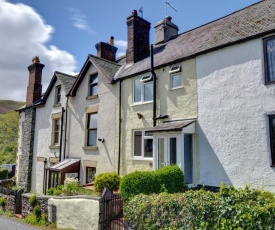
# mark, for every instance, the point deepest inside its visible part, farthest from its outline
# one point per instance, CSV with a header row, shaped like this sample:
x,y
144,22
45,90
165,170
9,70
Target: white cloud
x,y
79,21
122,46
23,36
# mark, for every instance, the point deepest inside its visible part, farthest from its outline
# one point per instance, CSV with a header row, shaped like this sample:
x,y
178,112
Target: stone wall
x,y
27,208
25,163
10,197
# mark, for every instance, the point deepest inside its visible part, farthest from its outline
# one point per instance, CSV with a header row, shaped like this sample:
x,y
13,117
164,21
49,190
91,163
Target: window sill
x,y
54,147
142,103
142,159
90,147
180,87
92,97
57,105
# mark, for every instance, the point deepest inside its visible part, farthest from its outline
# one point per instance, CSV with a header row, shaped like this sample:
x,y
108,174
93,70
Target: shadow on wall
x,y
212,172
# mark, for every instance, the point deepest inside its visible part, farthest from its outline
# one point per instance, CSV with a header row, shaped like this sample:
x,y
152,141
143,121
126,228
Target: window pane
x,y
93,79
173,151
92,137
176,81
148,91
93,90
92,121
271,59
148,147
137,90
90,174
137,143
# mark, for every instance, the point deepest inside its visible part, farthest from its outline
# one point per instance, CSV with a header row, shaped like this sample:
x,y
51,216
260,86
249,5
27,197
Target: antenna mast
x,y
168,4
141,11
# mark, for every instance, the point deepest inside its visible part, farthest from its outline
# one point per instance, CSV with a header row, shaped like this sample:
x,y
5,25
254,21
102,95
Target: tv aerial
x,y
168,4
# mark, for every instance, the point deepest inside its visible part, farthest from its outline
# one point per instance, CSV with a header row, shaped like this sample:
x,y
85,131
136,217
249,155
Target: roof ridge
x,y
102,59
58,72
260,1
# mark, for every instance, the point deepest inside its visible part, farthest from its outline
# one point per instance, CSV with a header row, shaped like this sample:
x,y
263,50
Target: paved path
x,y
7,223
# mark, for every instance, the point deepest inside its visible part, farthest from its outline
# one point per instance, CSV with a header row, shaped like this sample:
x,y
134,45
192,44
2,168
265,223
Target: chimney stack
x,y
164,30
106,50
34,89
138,38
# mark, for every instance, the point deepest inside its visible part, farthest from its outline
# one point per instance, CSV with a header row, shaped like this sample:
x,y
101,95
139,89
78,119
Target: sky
x,y
63,32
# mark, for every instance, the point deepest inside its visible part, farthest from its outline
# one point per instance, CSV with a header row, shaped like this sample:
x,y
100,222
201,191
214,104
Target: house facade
x,y
202,100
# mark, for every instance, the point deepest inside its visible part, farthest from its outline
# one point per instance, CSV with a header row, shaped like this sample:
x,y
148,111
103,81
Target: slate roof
x,y
107,68
171,126
253,21
66,80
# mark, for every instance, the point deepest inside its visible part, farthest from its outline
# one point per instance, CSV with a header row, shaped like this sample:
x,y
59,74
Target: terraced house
x,y
202,99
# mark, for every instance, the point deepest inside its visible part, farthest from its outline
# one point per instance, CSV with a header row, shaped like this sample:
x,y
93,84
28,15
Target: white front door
x,y
168,150
175,149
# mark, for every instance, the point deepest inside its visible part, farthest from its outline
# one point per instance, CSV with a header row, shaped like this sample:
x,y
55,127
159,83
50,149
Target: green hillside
x,y
9,121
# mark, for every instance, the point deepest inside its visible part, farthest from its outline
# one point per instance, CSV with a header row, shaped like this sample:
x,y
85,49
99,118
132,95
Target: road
x,y
7,223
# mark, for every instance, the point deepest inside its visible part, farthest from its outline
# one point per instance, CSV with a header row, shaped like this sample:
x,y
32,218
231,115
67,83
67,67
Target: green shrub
x,y
167,179
109,180
33,200
55,191
3,174
37,211
3,202
247,208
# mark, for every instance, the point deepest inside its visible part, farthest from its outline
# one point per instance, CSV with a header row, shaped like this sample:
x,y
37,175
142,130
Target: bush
x,y
33,200
229,209
37,211
55,191
167,179
109,180
3,174
3,202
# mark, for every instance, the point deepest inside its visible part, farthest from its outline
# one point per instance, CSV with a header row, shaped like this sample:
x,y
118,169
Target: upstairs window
x,y
58,94
143,144
56,131
143,89
272,138
176,78
92,129
93,85
269,60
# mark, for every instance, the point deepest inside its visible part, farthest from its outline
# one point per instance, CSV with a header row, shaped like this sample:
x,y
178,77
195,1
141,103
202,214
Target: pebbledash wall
x,y
234,104
102,155
178,103
43,147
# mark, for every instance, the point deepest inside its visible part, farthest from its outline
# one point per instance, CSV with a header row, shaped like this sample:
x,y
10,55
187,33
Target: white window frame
x,y
144,80
175,70
57,99
143,138
88,128
54,131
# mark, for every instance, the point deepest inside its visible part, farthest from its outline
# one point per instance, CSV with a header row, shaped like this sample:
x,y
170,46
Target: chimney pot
x,y
111,41
134,12
169,18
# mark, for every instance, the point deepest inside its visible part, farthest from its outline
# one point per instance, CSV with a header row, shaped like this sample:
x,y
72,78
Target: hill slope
x,y
8,106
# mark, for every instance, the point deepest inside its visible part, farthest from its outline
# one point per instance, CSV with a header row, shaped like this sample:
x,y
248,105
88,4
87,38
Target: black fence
x,y
111,212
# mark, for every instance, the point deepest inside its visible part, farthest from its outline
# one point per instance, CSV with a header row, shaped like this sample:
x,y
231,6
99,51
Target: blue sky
x,y
63,32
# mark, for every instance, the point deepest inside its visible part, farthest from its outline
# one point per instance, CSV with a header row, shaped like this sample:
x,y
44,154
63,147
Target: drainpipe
x,y
154,85
65,128
61,134
119,129
45,176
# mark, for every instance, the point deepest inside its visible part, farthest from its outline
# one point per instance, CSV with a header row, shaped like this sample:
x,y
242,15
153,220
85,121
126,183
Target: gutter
x,y
154,85
119,129
65,129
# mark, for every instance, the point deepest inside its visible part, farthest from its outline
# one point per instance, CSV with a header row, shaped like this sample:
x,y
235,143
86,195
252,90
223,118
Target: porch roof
x,y
66,166
171,126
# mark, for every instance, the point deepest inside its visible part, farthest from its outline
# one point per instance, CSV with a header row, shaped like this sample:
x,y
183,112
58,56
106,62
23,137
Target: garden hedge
x,y
169,179
109,180
252,209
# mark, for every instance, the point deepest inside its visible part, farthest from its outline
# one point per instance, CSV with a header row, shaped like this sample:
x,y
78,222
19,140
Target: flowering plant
x,y
71,186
